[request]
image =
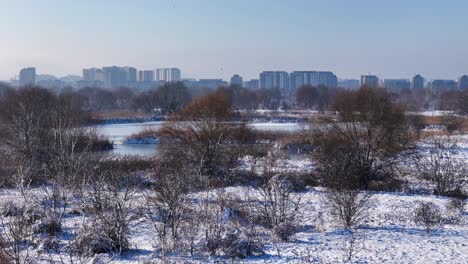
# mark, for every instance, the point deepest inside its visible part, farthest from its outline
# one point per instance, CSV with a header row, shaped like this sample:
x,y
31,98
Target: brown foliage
x,y
199,135
360,144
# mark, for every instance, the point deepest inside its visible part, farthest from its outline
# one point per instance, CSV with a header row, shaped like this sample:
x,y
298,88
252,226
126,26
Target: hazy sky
x,y
218,38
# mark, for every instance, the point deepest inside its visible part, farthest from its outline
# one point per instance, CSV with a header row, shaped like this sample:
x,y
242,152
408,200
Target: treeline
x,y
173,97
322,98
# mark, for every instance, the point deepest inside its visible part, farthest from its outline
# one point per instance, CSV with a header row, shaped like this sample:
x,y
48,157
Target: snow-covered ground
x,y
388,235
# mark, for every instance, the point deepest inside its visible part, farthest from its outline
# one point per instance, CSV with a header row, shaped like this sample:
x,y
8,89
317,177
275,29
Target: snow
x,y
387,236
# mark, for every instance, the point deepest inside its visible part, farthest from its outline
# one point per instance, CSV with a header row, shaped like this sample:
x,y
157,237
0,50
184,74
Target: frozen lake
x,y
118,132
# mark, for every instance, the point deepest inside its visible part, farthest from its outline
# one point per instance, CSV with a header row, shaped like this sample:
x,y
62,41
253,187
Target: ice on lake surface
x,y
118,132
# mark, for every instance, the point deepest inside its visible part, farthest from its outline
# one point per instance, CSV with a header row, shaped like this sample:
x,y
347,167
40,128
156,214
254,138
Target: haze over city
x,y
216,39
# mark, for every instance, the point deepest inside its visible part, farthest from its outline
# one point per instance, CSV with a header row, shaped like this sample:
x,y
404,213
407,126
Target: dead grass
x,y
147,133
112,114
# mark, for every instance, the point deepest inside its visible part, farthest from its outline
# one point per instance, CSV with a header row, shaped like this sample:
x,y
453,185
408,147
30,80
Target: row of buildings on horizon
x,y
114,77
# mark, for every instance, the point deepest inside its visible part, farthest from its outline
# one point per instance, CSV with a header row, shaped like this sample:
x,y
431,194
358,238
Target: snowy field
x,y
387,236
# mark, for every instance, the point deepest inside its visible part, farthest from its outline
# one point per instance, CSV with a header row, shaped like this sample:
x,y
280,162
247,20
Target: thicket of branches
x,y
361,143
202,137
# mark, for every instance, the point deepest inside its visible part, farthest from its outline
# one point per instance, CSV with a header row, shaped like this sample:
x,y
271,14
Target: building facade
x,y
369,80
312,78
417,82
443,85
115,77
131,75
237,80
27,76
274,80
463,82
396,84
252,84
146,76
93,74
168,74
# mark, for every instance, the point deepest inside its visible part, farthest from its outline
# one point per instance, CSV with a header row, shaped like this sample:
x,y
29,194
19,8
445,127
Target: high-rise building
x,y
252,84
168,74
93,74
442,85
313,78
236,80
146,76
417,82
369,80
27,76
131,75
115,77
349,84
463,82
274,80
396,84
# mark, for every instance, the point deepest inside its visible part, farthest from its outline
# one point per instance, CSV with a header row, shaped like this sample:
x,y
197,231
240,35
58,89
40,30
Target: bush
x,y
49,225
10,208
351,206
428,214
237,245
363,141
441,167
110,203
97,238
279,208
285,231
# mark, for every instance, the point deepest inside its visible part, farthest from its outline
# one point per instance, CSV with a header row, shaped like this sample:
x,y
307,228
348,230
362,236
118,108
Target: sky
x,y
219,38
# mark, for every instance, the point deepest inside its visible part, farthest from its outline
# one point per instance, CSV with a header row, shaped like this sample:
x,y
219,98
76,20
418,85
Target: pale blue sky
x,y
214,38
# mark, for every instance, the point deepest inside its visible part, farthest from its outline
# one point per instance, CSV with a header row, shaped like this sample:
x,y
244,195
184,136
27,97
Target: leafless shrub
x,y
167,206
439,166
201,136
350,206
17,239
452,122
236,244
456,205
110,203
279,206
70,252
353,242
50,224
363,141
429,215
228,229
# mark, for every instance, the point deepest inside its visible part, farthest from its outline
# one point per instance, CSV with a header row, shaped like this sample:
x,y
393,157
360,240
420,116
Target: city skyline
x,y
216,40
114,77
